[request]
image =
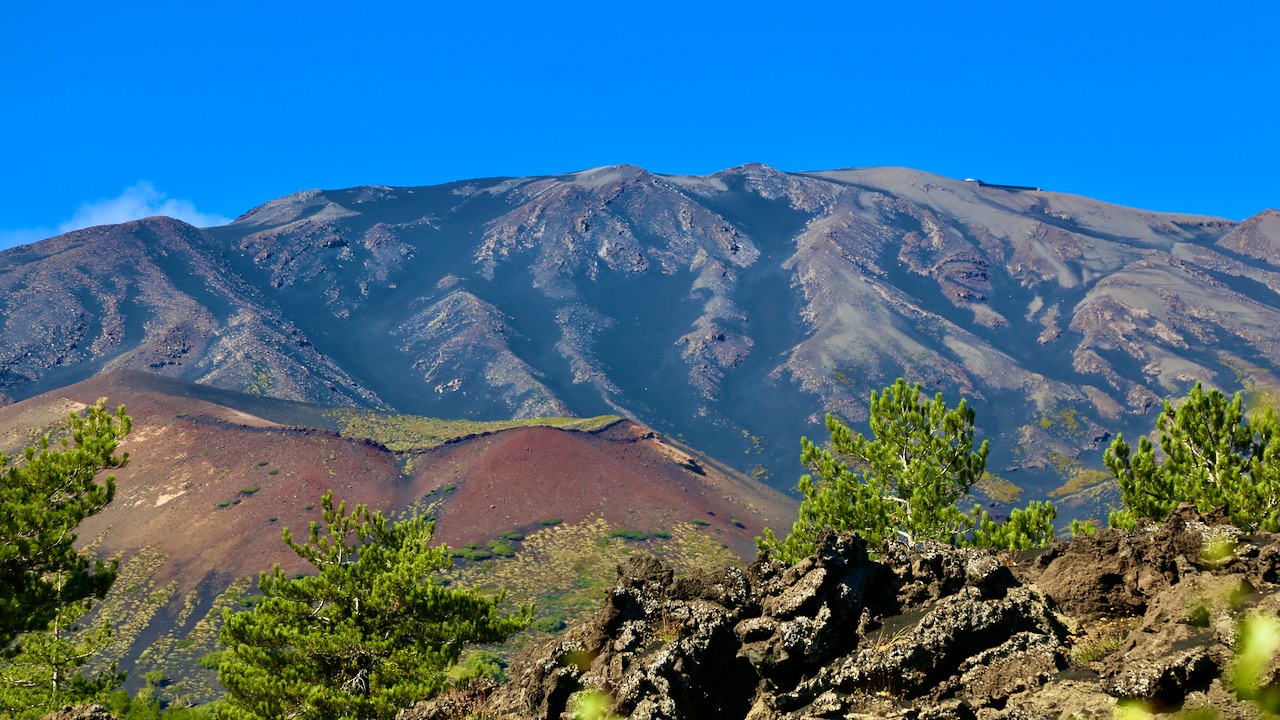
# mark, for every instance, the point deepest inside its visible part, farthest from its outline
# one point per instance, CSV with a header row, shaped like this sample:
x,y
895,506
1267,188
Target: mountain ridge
x,y
730,309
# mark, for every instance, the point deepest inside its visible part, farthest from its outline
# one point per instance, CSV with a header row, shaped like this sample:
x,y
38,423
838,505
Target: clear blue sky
x,y
109,109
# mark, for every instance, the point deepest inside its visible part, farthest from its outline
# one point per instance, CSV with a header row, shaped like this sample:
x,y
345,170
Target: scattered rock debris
x,y
925,632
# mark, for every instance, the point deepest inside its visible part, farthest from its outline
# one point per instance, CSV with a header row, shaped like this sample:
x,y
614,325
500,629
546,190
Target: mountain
x,y
214,476
727,311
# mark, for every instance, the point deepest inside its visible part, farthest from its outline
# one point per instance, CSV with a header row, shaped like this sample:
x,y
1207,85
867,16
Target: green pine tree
x,y
46,585
371,632
903,482
1213,458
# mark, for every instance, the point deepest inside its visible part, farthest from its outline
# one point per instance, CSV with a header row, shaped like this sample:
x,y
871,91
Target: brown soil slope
x,y
211,486
625,473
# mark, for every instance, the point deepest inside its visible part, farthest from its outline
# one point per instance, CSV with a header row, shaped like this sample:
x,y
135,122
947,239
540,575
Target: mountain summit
x,y
729,310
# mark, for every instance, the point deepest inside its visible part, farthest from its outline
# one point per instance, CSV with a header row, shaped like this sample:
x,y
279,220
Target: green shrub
x,y
918,464
273,471
548,624
1213,458
262,463
502,548
629,534
662,534
511,535
363,637
552,521
210,661
471,554
701,523
1097,649
250,489
482,664
224,503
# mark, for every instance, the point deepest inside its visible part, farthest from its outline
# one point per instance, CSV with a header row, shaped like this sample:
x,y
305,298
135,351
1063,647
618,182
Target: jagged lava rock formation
x,y
917,632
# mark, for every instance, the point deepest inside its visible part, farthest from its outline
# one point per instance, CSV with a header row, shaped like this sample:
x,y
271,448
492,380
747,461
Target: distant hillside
x,y
214,476
729,310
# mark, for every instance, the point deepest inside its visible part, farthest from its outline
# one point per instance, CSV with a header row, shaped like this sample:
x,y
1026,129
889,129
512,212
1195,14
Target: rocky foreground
x,y
1149,616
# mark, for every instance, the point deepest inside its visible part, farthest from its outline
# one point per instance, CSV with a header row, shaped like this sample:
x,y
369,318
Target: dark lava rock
x,y
81,712
926,632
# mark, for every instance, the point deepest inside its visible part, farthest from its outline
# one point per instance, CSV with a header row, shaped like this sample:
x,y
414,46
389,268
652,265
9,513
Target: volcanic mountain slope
x,y
729,310
209,484
213,476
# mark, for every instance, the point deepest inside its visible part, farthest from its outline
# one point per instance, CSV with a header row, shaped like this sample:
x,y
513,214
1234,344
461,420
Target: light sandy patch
x,y
164,498
985,315
1034,306
697,183
244,418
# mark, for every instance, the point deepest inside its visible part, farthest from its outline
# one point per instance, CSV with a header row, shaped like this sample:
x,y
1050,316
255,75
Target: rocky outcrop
x,y
81,712
1150,616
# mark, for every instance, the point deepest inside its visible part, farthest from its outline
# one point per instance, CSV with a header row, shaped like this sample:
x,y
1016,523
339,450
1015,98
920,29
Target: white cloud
x,y
138,201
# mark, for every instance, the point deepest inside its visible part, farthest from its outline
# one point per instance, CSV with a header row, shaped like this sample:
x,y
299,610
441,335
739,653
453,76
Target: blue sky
x,y
203,110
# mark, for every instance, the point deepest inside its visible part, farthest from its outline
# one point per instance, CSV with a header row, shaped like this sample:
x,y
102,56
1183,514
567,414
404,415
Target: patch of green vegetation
x,y
262,463
189,653
511,535
250,489
548,624
662,534
1199,616
224,503
448,488
1260,387
1063,464
472,554
998,488
262,383
273,471
1095,650
210,661
551,521
502,548
629,534
1080,481
414,432
701,523
566,569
